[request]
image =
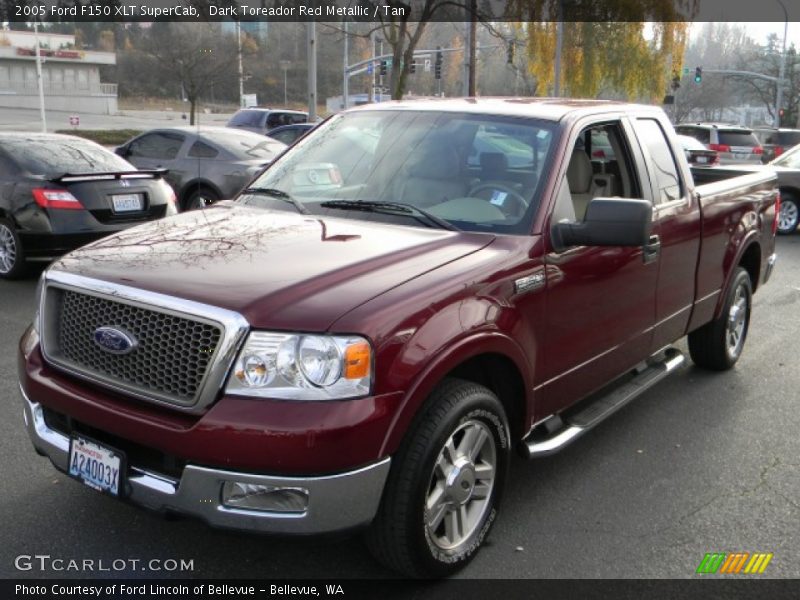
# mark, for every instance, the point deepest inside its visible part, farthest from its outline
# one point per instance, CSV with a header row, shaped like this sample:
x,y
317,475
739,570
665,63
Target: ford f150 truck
x,y
408,294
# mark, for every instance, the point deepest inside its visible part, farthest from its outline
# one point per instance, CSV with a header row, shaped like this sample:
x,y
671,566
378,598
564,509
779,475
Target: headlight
x,y
302,367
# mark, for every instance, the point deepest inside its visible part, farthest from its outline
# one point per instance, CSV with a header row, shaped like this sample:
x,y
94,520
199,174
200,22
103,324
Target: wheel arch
x,y
493,361
195,185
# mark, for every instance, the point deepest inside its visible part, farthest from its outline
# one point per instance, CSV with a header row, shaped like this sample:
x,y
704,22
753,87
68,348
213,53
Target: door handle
x,y
651,250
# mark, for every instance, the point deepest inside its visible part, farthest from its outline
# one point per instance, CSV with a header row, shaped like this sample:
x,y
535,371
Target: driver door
x,y
600,306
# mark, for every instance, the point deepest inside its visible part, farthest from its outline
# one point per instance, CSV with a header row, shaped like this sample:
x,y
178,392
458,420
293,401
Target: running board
x,y
575,424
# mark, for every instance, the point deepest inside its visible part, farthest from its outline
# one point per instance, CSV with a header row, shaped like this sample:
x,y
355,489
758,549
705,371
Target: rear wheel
x,y
200,198
719,344
444,489
12,260
789,215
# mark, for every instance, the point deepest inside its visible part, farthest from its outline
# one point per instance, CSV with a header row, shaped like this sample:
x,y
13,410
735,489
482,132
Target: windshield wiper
x,y
391,208
280,194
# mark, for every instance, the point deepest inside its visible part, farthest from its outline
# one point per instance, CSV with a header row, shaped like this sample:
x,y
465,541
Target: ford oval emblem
x,y
114,340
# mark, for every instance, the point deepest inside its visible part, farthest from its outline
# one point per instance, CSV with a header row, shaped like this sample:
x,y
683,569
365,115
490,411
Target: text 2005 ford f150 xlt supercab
x,y
363,336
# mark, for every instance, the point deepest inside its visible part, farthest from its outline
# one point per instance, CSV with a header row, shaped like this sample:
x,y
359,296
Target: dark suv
x,y
261,120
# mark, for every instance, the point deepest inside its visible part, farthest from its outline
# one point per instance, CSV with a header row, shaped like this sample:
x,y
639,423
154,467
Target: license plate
x,y
96,465
127,202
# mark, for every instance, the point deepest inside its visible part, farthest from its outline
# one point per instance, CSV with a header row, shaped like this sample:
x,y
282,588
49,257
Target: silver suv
x,y
736,145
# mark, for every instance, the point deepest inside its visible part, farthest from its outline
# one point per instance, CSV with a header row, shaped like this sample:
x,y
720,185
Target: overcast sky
x,y
760,31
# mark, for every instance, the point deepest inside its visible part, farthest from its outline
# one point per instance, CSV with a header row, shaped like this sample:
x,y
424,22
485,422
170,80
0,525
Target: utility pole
x,y
39,76
559,42
473,34
345,79
467,46
779,92
311,31
241,71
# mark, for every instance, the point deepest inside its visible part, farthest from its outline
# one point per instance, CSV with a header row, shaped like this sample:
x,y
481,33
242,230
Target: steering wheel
x,y
521,204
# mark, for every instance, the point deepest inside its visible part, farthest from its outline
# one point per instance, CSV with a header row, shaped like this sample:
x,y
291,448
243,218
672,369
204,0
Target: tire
x,y
789,215
201,197
12,258
718,345
440,500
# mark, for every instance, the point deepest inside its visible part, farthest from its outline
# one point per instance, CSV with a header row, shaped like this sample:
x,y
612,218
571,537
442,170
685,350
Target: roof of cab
x,y
553,109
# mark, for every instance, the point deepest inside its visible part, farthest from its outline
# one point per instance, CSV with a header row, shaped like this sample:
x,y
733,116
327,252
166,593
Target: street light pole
x,y
241,70
285,64
779,93
39,76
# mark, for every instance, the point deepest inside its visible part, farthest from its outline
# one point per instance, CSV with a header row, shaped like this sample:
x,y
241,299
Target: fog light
x,y
268,498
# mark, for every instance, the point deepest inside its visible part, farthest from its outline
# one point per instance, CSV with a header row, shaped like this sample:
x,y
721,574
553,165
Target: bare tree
x,y
196,55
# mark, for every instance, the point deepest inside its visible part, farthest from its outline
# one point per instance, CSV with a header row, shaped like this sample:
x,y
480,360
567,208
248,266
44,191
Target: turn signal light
x,y
719,147
357,360
53,198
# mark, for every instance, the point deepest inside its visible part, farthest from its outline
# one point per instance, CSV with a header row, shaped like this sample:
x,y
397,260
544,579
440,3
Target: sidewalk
x,y
25,119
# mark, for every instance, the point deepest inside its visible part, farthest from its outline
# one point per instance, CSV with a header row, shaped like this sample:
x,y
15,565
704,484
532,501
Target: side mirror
x,y
608,222
121,151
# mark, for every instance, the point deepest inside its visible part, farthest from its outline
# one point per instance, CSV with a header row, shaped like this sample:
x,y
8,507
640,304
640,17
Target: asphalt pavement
x,y
704,462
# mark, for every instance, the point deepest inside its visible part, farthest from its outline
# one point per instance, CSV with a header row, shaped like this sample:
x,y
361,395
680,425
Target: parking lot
x,y
702,463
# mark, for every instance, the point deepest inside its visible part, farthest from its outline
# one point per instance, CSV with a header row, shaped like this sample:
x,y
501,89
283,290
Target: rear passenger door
x,y
600,300
676,222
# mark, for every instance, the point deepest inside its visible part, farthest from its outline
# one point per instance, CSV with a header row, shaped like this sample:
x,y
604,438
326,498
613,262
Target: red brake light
x,y
778,150
598,153
777,212
758,150
719,147
54,198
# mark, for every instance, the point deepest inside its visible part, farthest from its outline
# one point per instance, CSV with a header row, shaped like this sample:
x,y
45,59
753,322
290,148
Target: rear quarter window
x,y
737,138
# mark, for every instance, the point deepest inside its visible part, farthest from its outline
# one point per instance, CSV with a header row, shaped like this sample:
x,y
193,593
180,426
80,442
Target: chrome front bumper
x,y
335,502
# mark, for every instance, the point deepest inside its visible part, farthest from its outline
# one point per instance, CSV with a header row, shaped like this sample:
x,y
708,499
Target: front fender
x,y
441,362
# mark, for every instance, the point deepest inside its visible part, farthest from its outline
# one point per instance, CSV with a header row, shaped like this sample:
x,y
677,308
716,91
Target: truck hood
x,y
278,269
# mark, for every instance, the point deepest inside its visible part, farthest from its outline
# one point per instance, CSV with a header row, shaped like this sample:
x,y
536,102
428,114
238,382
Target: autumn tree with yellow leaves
x,y
629,50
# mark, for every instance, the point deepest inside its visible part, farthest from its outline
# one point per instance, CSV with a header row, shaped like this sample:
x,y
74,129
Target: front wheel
x,y
445,485
789,214
718,345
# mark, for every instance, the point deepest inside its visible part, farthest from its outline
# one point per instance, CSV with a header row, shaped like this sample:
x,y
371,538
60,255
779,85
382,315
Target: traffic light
x,y
412,68
383,67
698,74
437,65
676,82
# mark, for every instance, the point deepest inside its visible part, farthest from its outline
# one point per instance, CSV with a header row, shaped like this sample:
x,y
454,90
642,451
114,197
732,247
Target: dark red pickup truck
x,y
406,295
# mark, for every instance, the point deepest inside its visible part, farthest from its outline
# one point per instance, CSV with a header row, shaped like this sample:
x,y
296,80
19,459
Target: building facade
x,y
70,77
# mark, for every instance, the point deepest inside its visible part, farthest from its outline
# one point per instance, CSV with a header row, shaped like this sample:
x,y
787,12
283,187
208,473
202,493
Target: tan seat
x,y
584,184
433,175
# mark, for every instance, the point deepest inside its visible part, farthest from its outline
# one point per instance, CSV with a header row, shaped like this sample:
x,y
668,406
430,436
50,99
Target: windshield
x,y
477,172
51,156
790,159
245,145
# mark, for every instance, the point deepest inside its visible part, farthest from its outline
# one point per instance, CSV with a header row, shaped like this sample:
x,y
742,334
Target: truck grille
x,y
169,362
